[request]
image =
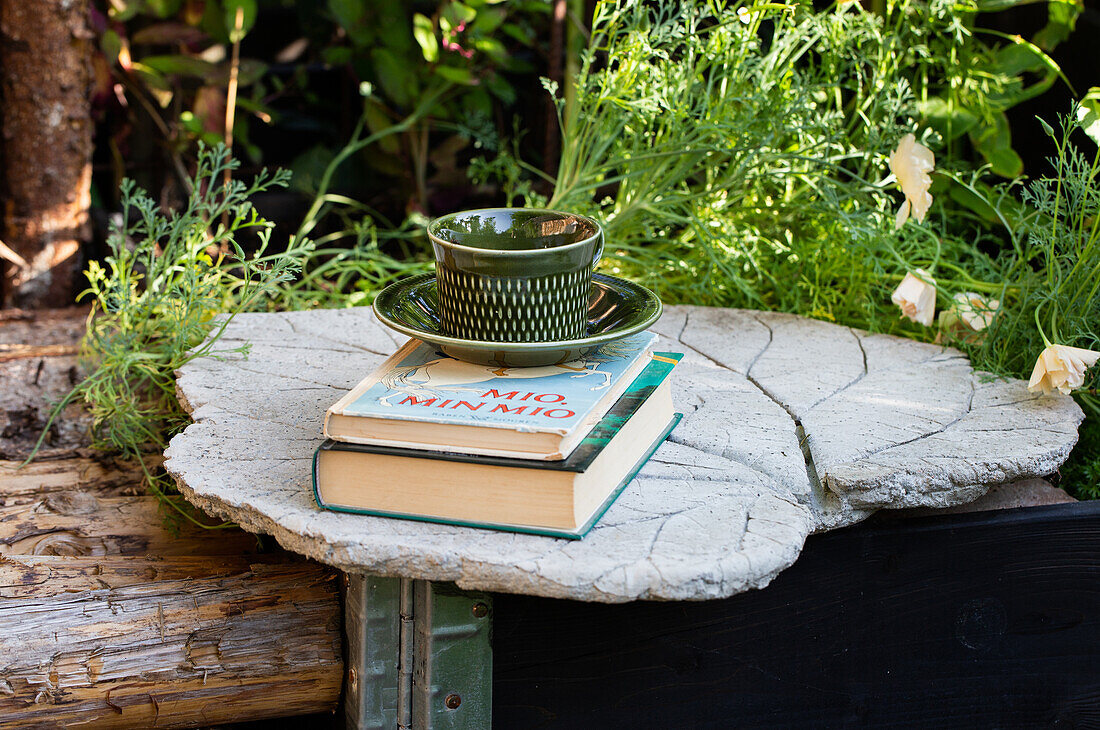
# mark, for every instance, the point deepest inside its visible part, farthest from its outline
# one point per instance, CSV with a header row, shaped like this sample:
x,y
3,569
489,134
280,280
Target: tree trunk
x,y
45,147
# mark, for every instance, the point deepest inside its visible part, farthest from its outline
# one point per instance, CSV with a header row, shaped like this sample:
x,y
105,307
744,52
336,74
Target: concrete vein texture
x,y
791,426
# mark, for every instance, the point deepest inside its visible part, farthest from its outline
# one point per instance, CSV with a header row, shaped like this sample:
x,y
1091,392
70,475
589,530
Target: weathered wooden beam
x,y
37,369
127,642
42,326
81,523
113,614
37,480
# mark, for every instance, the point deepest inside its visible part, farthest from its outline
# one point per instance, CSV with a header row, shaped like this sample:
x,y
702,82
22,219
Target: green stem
x,y
312,216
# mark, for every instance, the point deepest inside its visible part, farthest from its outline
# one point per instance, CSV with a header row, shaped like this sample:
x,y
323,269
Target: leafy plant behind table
x,y
738,158
460,53
172,279
163,67
432,83
738,155
161,71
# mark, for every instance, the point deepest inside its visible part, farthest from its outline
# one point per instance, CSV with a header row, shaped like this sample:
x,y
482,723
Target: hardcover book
x,y
558,498
420,398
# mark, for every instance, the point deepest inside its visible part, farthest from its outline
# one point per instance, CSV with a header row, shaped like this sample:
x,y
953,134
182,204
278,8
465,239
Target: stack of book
x,y
544,450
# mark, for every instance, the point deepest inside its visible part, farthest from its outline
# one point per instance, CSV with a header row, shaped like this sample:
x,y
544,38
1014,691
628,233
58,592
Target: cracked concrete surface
x,y
791,426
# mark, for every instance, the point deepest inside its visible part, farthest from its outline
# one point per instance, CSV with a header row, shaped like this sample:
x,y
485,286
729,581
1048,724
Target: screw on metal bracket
x,y
480,610
452,701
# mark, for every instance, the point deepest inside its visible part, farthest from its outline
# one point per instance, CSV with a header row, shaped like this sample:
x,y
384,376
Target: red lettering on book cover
x,y
499,396
565,413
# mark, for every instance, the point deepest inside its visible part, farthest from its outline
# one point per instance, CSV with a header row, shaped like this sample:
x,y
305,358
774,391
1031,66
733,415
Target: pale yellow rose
x,y
917,297
911,162
975,310
1061,367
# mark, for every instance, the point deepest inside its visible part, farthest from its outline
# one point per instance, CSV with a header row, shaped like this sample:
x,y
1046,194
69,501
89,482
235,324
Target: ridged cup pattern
x,y
547,308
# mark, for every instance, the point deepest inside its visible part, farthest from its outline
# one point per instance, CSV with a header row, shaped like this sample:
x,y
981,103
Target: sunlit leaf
x,y
240,16
163,8
457,13
151,77
424,32
489,19
1061,20
993,6
492,48
1016,58
1088,113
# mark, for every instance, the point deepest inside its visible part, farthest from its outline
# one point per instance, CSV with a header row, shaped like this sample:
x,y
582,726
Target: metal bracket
x,y
419,656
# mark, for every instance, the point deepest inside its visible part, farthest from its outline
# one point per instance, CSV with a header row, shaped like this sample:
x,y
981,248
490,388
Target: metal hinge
x,y
419,656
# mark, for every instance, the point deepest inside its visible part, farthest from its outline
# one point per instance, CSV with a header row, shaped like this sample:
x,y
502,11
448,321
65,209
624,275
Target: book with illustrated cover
x,y
559,498
420,398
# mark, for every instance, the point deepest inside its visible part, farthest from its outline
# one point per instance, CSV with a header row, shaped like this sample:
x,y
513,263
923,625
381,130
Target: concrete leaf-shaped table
x,y
791,426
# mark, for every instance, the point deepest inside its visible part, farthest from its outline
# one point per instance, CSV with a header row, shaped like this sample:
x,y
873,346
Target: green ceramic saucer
x,y
616,308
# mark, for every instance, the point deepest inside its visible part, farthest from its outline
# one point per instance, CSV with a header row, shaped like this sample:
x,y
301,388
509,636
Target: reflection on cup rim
x,y
438,222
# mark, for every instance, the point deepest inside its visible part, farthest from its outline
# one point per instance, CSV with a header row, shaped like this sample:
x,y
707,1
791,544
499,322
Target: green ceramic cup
x,y
514,274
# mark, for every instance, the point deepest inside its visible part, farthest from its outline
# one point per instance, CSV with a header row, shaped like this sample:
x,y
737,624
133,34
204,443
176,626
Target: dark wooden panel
x,y
987,620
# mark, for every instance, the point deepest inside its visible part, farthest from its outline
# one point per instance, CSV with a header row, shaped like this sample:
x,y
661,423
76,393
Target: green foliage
x,y
173,61
1081,474
1051,287
738,158
460,55
1054,278
335,276
1089,114
171,280
724,166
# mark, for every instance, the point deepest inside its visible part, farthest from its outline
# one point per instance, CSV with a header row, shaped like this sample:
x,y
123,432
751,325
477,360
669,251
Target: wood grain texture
x,y
132,643
103,476
114,615
83,523
988,620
